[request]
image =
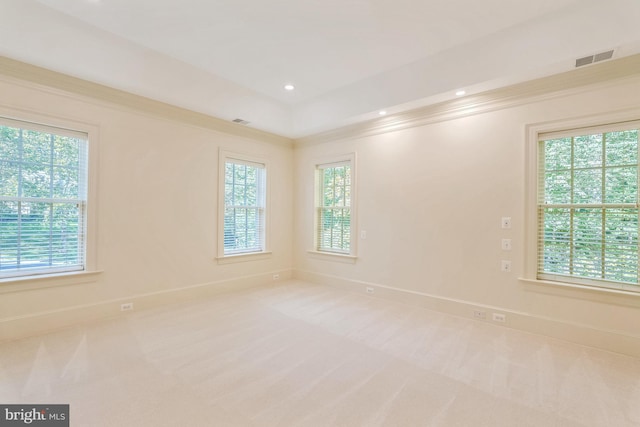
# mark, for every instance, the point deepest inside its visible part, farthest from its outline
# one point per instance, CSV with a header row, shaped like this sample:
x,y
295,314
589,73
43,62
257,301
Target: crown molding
x,y
51,80
562,84
557,85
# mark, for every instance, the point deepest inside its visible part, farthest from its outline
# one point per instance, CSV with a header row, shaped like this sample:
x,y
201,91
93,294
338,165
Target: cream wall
x,y
431,193
157,209
431,199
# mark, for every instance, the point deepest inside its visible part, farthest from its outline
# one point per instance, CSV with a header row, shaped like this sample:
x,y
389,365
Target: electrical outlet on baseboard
x,y
479,314
128,306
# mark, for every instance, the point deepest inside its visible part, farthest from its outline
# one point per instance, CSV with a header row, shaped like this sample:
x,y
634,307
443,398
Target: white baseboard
x,y
38,323
576,333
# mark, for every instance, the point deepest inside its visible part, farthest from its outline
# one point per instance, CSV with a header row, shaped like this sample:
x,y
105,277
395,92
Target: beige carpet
x,y
298,354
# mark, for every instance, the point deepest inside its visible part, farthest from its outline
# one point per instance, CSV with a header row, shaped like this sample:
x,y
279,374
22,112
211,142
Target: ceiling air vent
x,y
240,121
594,58
603,56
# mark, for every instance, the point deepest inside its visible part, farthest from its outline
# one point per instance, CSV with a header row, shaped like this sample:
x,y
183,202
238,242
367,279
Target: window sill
x,y
43,281
332,256
249,256
591,293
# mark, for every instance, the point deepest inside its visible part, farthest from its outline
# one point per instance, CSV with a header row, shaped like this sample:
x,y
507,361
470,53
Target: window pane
x,y
587,243
251,176
557,154
621,245
36,180
621,185
239,195
557,241
587,151
335,229
34,235
8,178
557,187
66,151
587,186
9,143
239,173
36,147
9,227
66,232
228,194
65,182
622,147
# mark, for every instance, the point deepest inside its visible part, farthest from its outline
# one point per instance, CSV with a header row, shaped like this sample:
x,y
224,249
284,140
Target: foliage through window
x,y
244,207
588,207
43,199
334,208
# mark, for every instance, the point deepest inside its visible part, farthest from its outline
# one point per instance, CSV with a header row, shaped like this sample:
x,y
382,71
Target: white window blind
x,y
333,208
43,199
588,206
244,206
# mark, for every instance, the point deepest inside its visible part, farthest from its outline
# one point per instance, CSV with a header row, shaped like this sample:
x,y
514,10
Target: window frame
x,y
226,156
534,134
351,256
90,272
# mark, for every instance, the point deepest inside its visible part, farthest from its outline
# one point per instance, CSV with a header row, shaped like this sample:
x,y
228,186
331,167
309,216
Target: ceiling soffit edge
x,y
533,90
62,83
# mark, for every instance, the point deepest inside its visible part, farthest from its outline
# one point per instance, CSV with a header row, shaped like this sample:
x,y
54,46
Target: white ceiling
x,y
347,58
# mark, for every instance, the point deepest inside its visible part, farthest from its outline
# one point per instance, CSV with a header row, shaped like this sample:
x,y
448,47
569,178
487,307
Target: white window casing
x,y
243,208
48,215
582,205
335,205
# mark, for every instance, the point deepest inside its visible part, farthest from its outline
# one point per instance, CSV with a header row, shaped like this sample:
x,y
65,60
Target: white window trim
x,y
329,255
91,266
529,278
265,253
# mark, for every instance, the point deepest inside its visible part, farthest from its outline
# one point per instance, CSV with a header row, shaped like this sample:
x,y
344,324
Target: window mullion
x,y
572,210
51,159
51,234
603,196
20,162
19,237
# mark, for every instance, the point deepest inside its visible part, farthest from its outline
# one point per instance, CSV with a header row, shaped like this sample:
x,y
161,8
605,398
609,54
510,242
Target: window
x,y
587,206
334,207
244,205
43,199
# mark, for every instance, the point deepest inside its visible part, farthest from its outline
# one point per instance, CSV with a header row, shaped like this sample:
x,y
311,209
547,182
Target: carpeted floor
x,y
298,354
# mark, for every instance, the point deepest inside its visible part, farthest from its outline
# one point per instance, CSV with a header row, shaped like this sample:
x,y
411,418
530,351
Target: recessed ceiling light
x,y
460,93
382,113
289,87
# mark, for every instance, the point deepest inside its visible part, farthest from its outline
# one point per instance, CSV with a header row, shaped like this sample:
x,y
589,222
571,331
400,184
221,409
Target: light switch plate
x,y
506,222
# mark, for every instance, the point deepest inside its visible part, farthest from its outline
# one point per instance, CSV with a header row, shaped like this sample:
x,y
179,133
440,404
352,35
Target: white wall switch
x,y
363,234
506,244
506,266
506,222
